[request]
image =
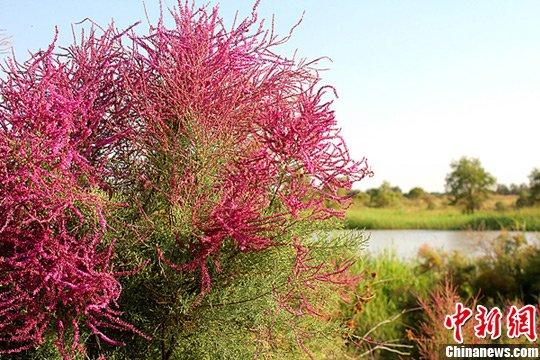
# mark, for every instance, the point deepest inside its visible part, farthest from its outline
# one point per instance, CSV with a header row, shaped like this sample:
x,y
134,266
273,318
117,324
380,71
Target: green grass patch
x,y
527,219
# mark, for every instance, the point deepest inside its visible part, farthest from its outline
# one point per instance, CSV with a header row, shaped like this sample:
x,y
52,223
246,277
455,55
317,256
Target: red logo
x,y
457,320
522,322
519,322
487,322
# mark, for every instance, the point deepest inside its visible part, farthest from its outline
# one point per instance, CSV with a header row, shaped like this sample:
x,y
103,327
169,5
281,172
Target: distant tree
x,y
416,193
534,187
468,183
353,192
372,192
530,195
502,189
516,189
361,198
384,196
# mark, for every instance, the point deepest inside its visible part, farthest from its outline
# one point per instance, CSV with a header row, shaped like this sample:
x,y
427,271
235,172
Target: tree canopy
x,y
468,183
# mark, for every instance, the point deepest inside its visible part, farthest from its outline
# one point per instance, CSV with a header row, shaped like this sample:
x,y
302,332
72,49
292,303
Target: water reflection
x,y
407,242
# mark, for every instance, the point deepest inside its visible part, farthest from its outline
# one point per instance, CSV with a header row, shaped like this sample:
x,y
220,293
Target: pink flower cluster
x,y
270,136
59,122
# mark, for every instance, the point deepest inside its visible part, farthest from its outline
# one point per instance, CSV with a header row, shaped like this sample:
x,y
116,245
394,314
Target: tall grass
x,y
527,219
387,306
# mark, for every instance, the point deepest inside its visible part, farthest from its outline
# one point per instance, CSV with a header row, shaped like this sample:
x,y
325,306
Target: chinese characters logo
x,y
519,322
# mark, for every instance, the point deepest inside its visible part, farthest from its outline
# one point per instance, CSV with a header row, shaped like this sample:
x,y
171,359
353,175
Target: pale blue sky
x,y
420,82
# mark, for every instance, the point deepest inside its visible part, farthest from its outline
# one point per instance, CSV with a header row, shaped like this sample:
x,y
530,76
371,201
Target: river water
x,y
405,243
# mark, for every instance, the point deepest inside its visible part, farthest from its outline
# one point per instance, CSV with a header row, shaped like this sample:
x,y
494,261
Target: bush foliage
x,y
159,191
468,183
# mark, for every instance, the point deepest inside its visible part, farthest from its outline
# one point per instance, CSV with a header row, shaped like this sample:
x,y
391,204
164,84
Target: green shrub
x,y
416,193
385,196
507,271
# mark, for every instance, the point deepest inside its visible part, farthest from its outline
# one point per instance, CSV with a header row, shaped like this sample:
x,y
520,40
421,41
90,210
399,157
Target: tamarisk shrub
x,y
235,135
235,150
219,158
59,119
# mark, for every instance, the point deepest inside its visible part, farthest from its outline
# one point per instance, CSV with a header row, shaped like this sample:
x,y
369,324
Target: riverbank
x,y
404,302
527,219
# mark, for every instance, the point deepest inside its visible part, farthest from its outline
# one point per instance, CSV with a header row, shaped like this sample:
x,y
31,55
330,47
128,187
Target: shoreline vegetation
x,y
402,303
387,209
527,219
471,202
